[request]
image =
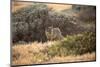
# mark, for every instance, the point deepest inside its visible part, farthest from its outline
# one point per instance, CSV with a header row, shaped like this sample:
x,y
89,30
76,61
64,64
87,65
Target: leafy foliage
x,y
74,45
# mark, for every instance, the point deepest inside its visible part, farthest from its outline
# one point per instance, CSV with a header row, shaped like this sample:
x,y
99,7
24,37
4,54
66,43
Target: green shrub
x,y
74,45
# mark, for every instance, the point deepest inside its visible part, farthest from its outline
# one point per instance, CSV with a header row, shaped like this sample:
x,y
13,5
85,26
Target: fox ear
x,y
50,27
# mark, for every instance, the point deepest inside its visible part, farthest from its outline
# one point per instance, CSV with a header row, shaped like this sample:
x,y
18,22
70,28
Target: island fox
x,y
53,33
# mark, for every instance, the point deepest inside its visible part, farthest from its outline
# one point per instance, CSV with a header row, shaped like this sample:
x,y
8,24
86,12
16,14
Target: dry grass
x,y
58,7
78,58
18,5
25,53
33,54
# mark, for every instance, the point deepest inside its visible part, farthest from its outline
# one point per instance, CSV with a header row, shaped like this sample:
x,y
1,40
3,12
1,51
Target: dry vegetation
x,y
18,5
33,54
26,53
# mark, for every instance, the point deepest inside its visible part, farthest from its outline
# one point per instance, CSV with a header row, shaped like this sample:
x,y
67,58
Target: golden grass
x,y
24,53
18,5
33,54
78,58
57,7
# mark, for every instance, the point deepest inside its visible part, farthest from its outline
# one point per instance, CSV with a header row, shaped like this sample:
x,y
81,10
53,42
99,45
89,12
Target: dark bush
x,y
86,13
29,23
